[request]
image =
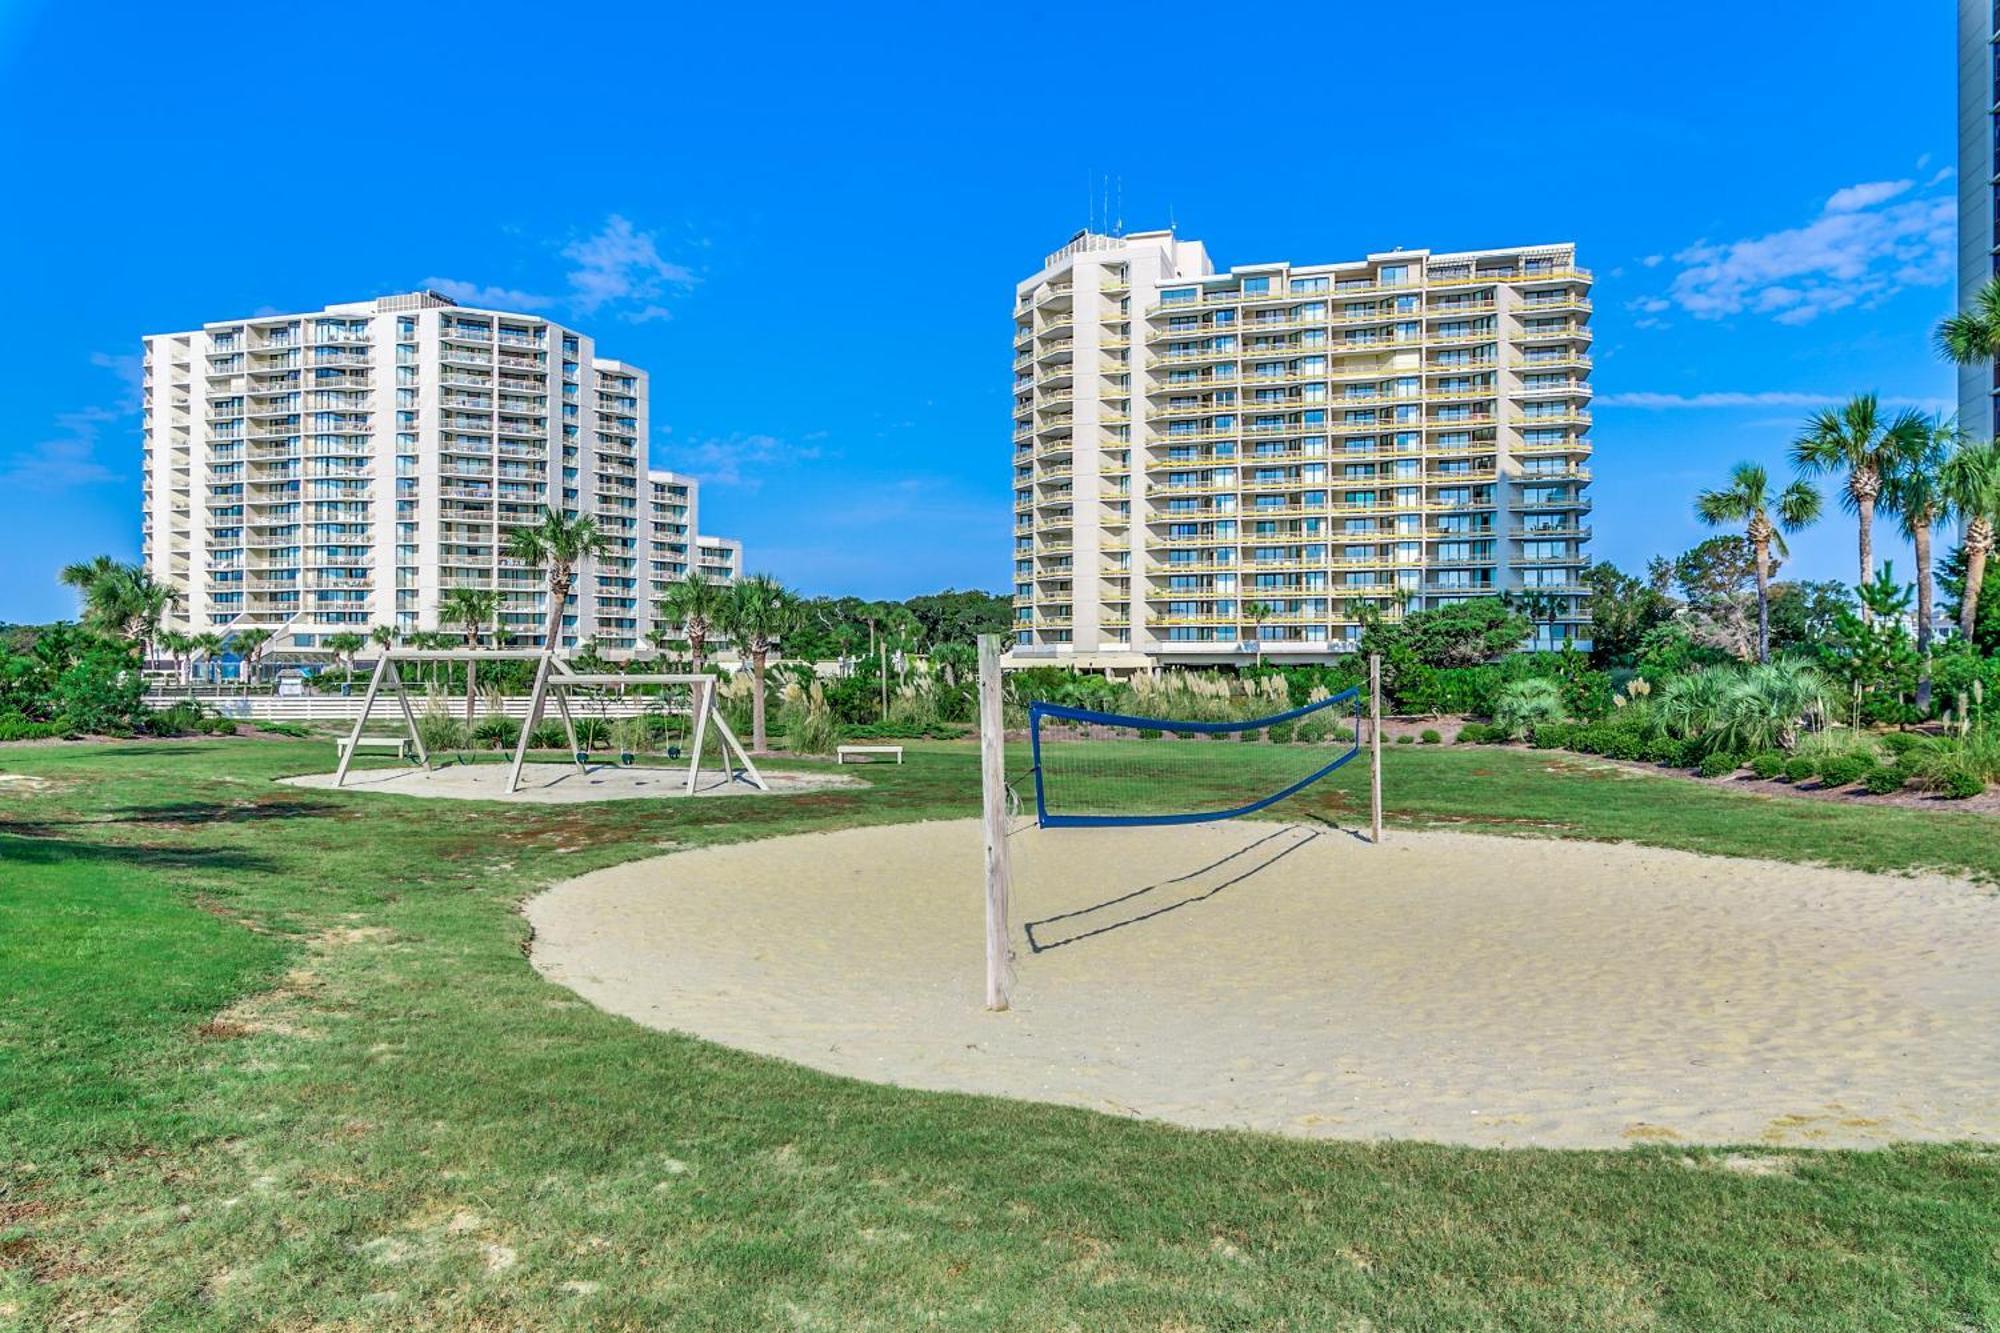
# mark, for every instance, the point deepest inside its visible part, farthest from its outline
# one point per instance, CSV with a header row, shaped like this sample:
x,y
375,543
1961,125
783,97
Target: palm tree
x,y
383,636
1970,479
695,604
1540,608
472,610
559,544
249,643
1748,500
210,645
1914,491
84,574
1257,613
121,601
143,603
1972,335
345,645
759,612
181,648
1855,439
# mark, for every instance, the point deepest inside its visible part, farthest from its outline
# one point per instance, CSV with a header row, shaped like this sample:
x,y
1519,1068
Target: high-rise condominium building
x,y
326,472
1978,193
1206,463
676,544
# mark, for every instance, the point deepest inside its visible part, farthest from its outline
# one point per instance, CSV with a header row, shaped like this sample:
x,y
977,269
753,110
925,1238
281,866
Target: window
x,y
1177,295
1256,286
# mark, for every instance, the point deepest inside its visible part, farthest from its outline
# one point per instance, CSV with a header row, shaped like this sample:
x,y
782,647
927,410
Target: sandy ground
x,y
1450,987
561,784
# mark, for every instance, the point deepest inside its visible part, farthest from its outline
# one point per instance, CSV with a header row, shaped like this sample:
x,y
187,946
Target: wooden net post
x,y
1375,749
993,787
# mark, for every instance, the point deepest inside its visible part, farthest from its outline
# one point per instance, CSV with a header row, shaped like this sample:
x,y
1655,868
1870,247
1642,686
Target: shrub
x,y
1405,739
496,732
548,736
1691,705
1960,785
1957,768
1473,733
177,719
1883,779
1669,751
1281,733
1551,735
440,731
1591,739
1149,733
1525,705
1626,745
1251,735
297,731
1842,770
592,733
99,691
1767,765
1717,764
217,726
1799,768
14,727
1764,706
1429,737
1900,743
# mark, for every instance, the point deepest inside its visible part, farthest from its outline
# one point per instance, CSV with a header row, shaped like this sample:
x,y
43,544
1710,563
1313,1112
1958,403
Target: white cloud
x,y
736,460
131,371
1857,197
622,265
493,298
1659,402
68,459
1654,261
1869,242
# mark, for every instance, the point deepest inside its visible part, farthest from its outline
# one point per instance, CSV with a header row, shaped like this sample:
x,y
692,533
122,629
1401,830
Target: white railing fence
x,y
339,708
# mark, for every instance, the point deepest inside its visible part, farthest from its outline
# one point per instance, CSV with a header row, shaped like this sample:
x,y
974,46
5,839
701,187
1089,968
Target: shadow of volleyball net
x,y
1096,770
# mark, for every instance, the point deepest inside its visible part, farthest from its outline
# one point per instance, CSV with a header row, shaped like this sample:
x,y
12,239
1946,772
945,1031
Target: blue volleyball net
x,y
1094,769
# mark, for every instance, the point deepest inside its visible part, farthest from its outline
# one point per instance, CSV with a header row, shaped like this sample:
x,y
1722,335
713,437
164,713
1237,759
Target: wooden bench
x,y
400,744
841,753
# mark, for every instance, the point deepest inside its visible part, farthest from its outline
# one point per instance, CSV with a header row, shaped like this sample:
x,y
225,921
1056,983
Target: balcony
x,y
1510,276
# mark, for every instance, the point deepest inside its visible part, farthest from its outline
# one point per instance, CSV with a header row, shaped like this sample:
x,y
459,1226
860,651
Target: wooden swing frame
x,y
554,679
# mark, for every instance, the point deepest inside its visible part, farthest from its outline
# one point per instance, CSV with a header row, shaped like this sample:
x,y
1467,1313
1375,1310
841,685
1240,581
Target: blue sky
x,y
762,204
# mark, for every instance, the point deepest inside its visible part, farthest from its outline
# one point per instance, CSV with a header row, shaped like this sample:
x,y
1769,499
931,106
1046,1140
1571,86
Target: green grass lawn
x,y
271,1057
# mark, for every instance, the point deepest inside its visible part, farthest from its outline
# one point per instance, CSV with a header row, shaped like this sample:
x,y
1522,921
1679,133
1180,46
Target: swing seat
x,y
400,744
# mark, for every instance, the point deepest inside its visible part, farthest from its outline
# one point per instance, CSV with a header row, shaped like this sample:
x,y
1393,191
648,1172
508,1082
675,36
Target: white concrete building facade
x,y
1207,463
342,469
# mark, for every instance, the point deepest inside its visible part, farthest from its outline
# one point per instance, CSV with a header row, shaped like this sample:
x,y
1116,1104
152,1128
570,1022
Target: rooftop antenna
x,y
1118,227
1104,184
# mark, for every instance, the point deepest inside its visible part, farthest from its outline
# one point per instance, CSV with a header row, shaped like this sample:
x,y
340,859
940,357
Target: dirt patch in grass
x,y
286,1010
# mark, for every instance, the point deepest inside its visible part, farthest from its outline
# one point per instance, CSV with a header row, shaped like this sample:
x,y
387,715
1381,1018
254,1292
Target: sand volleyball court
x,y
1478,990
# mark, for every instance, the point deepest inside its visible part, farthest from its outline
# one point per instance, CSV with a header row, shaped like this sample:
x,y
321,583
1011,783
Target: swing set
x,y
557,683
